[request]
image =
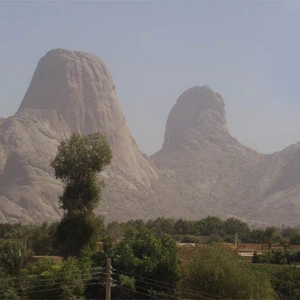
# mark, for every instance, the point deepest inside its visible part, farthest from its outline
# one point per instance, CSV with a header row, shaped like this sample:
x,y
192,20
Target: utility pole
x,y
108,280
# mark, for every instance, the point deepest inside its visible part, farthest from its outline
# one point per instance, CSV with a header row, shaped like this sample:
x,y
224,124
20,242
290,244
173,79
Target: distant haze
x,y
246,51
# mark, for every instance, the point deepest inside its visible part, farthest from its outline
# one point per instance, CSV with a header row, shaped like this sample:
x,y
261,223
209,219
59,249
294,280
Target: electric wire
x,y
135,291
169,284
48,280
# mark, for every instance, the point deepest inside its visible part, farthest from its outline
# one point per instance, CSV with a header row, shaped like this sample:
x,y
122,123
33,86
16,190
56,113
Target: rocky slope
x,y
200,170
69,92
220,175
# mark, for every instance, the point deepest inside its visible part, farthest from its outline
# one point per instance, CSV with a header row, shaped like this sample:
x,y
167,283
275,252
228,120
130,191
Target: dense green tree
x,y
257,236
47,279
277,256
8,230
292,234
77,163
8,288
116,230
20,233
78,233
41,239
185,227
216,272
76,274
235,226
269,235
14,257
161,226
211,225
141,254
286,282
136,224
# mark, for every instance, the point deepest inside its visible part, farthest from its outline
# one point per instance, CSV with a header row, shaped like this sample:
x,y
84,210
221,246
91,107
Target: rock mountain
x,y
200,170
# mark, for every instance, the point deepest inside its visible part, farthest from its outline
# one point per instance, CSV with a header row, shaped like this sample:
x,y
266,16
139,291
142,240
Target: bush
x,y
190,239
286,282
42,238
277,256
142,253
47,279
9,288
217,272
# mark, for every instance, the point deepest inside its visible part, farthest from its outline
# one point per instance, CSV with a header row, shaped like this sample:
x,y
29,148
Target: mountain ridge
x,y
200,169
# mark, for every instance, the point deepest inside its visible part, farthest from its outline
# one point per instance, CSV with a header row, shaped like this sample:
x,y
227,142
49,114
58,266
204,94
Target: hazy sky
x,y
249,52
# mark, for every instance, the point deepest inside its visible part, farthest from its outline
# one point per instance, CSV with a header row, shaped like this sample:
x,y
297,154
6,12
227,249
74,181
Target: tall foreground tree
x,y
77,163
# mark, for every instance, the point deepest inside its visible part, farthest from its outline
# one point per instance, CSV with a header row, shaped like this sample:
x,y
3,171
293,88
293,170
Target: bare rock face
x,y
219,176
69,92
201,169
77,88
207,160
191,110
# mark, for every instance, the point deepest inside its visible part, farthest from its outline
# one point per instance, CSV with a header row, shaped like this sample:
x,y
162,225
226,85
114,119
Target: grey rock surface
x,y
201,169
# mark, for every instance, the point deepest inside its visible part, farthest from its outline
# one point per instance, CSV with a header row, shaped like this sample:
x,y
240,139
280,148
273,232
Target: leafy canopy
x,y
217,272
77,162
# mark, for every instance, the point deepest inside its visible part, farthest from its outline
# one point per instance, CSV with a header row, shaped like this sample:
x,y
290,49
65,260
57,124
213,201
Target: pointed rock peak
x,y
59,73
198,106
75,85
201,98
73,91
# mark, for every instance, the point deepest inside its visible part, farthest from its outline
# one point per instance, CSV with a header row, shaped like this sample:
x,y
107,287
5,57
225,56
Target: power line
x,y
61,282
169,284
173,296
58,288
55,279
134,291
154,284
33,276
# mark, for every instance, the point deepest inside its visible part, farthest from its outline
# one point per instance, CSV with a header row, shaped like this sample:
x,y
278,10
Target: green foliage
x,y
292,234
126,288
41,239
56,280
136,224
41,280
14,257
76,274
8,230
127,282
277,256
190,239
107,243
77,233
116,230
286,282
217,272
211,225
141,253
217,229
77,163
8,288
270,234
257,236
235,226
215,238
185,227
161,226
